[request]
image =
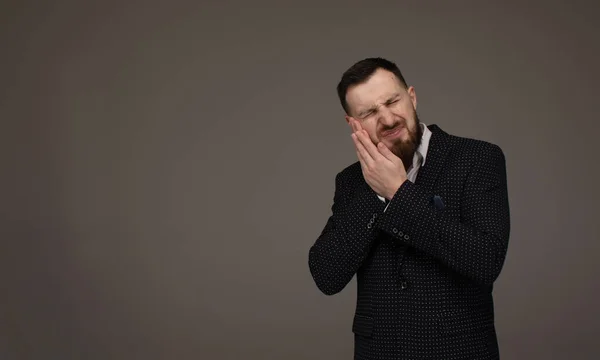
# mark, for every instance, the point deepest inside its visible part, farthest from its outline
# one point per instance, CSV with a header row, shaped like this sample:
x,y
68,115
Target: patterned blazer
x,y
425,266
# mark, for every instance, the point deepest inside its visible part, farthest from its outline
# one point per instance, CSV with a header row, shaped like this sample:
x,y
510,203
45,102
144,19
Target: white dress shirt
x,y
418,158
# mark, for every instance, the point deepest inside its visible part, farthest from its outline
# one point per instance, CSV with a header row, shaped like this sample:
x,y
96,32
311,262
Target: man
x,y
422,219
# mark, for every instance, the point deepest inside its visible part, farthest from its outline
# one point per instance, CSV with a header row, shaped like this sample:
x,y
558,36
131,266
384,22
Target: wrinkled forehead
x,y
379,88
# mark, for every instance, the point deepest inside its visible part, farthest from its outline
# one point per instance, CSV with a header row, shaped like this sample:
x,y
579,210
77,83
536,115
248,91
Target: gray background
x,y
167,165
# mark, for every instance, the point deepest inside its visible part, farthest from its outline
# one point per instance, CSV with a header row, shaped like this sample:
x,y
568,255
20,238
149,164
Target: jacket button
x,y
395,231
403,285
406,236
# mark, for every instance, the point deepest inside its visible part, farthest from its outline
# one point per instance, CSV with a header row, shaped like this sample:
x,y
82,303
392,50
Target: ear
x,y
354,124
351,121
413,96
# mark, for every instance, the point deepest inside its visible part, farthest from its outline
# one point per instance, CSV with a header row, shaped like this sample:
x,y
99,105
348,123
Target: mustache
x,y
389,129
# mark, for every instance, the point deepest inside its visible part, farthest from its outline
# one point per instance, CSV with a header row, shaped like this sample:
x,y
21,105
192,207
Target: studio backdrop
x,y
166,166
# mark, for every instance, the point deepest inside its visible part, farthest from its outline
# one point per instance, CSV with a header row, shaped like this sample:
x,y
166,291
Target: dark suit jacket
x,y
426,266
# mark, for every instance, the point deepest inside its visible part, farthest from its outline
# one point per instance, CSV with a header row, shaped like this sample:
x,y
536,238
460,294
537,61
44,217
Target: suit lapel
x,y
439,148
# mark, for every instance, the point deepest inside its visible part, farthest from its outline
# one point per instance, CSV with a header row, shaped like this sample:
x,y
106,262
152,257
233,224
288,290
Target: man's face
x,y
387,111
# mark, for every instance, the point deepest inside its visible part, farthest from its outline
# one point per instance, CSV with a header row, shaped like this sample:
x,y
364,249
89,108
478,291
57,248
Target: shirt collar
x,y
421,153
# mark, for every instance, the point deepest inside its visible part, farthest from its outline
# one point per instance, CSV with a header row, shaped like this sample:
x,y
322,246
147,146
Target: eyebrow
x,y
366,111
393,96
372,108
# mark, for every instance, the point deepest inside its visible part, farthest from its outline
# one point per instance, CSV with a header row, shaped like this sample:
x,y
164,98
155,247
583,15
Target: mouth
x,y
395,132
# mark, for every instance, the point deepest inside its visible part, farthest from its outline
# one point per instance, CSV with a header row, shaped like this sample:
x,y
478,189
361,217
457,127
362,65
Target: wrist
x,y
395,189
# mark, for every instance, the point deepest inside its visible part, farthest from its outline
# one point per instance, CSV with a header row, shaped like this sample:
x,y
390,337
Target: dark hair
x,y
361,72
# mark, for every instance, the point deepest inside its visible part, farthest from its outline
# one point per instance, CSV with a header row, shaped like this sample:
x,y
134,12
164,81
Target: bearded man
x,y
422,220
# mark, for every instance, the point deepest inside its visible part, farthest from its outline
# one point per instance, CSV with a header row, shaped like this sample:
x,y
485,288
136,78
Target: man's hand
x,y
382,170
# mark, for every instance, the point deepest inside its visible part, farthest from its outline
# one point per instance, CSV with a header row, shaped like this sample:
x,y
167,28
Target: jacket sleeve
x,y
346,239
474,246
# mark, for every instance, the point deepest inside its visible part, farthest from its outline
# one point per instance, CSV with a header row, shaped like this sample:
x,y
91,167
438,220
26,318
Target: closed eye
x,y
366,113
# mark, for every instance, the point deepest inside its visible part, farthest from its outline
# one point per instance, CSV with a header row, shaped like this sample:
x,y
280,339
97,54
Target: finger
x,y
368,145
387,153
358,152
362,151
361,159
357,124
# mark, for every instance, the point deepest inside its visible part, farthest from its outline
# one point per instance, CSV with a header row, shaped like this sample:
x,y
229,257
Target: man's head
x,y
374,93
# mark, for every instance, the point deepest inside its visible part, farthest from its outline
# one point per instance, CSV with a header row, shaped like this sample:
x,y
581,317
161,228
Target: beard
x,y
405,149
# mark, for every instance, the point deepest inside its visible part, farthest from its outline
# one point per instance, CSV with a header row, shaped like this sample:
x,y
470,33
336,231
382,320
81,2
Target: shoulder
x,y
470,149
350,174
476,148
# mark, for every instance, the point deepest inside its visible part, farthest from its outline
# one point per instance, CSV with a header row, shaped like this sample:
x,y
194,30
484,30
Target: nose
x,y
386,116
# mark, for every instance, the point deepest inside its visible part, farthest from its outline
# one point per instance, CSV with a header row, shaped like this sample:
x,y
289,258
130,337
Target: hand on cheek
x,y
382,170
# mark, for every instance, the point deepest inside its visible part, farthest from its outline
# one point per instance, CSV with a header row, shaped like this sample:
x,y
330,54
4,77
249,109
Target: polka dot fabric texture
x,y
425,266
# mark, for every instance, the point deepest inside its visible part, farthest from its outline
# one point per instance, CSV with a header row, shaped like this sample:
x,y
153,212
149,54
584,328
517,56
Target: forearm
x,y
344,243
475,246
